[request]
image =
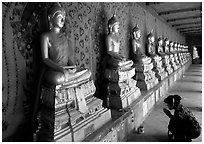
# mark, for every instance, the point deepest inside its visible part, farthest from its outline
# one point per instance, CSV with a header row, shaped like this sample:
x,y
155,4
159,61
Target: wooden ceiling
x,y
185,17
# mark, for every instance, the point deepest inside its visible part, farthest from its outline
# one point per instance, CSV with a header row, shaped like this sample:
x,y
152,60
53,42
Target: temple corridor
x,y
189,87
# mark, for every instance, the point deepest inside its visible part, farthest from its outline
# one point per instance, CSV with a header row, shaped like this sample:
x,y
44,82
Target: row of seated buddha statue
x,y
145,76
68,109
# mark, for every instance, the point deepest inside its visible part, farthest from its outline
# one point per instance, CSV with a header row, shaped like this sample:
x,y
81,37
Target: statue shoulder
x,y
109,37
45,35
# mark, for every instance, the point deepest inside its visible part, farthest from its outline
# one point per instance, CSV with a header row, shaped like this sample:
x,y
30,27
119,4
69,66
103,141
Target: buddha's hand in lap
x,y
123,58
66,74
72,70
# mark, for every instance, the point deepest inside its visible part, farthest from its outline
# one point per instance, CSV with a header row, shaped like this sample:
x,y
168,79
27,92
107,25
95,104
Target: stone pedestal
x,y
160,73
120,87
165,63
176,59
70,113
181,58
145,76
172,62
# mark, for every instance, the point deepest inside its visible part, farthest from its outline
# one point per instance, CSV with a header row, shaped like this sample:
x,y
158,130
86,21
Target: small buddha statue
x,y
171,46
151,46
138,55
166,46
175,47
160,49
56,54
178,47
114,58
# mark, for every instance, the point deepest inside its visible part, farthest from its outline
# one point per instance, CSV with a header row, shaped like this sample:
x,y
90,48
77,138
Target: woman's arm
x,y
168,113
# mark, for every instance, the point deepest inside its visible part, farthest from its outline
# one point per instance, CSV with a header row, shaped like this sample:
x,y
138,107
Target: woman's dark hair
x,y
173,99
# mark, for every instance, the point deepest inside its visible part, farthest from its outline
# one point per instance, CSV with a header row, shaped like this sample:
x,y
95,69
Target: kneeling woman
x,y
183,125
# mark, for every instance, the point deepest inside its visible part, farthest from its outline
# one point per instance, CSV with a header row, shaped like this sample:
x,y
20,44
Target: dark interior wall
x,y
195,40
86,27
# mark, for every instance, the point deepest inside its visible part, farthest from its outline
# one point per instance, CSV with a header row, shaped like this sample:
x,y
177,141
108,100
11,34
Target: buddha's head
x,y
175,45
160,41
136,32
171,43
166,42
56,16
150,37
113,24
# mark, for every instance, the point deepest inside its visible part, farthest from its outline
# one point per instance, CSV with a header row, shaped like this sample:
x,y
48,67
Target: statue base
x,y
147,85
119,75
161,75
143,67
69,124
145,76
159,70
166,65
122,101
70,113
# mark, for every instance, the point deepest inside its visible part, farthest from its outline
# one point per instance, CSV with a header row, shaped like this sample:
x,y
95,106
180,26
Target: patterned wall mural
x,y
86,27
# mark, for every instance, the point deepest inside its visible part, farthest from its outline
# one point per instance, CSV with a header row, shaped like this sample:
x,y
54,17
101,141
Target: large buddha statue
x,y
114,58
138,54
56,52
67,94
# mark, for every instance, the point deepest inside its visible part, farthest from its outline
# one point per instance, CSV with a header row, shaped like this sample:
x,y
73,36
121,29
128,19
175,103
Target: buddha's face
x,y
167,43
58,19
116,27
160,42
137,34
151,39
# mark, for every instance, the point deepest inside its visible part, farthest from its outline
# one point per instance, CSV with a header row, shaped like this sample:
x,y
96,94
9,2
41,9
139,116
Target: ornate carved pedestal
x,y
160,73
69,113
181,58
166,63
145,76
120,87
176,59
172,62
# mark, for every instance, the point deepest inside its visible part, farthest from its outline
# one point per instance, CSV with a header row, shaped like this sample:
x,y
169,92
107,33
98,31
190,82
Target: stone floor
x,y
190,89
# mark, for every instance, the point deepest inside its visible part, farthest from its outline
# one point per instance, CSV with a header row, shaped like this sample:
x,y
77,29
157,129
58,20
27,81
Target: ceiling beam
x,y
193,33
180,10
174,25
183,18
195,28
153,3
186,31
199,26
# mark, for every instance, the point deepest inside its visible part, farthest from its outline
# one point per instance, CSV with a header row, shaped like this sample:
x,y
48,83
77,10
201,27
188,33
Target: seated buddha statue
x,y
114,59
160,49
138,55
171,46
151,46
166,46
56,52
175,47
